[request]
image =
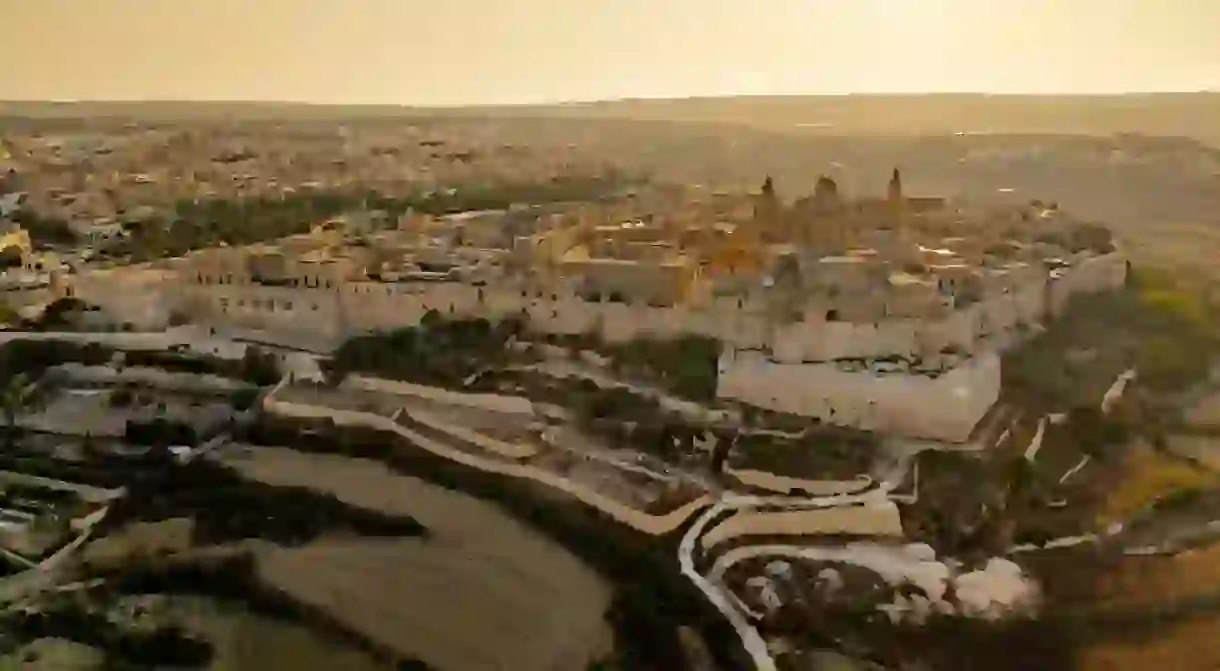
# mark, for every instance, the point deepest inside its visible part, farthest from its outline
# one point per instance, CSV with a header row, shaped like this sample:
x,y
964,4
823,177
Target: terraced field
x,y
483,592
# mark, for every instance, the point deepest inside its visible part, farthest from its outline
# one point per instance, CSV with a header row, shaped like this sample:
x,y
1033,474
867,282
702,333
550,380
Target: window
x,y
287,305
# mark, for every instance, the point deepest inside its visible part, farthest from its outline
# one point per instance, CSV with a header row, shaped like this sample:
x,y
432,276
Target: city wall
x,y
354,307
946,407
772,365
141,297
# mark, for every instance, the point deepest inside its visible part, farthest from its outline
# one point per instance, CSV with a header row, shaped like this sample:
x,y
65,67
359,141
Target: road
x,y
731,608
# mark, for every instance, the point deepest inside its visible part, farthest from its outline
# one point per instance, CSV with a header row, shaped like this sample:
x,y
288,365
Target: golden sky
x,y
495,51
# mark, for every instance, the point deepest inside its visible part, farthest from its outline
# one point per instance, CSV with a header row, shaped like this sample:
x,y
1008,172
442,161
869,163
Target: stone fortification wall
x,y
777,366
141,297
264,307
350,307
946,407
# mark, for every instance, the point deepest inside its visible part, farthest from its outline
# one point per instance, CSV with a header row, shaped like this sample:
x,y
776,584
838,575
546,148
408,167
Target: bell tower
x,y
896,202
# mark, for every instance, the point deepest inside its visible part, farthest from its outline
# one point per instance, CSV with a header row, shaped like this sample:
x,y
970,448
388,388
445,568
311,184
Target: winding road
x,y
730,607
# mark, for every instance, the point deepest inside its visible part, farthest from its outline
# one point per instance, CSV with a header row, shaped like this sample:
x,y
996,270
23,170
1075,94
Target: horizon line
x,y
605,101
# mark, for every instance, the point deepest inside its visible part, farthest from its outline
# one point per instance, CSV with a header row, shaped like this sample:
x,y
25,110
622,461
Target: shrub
x,y
243,399
121,397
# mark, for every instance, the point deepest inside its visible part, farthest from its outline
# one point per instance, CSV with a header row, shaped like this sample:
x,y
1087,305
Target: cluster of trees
x,y
438,351
633,421
827,453
165,646
1092,430
243,399
33,357
226,507
1082,237
1165,330
236,579
260,367
256,365
206,223
685,365
10,257
44,231
61,315
160,432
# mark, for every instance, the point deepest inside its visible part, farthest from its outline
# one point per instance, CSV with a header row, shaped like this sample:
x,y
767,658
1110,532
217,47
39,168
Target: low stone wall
x,y
873,519
656,525
781,484
353,307
515,451
515,405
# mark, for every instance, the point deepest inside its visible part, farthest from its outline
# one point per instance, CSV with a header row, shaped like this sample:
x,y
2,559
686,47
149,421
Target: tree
x,y
431,319
243,399
10,257
261,368
121,397
12,397
720,453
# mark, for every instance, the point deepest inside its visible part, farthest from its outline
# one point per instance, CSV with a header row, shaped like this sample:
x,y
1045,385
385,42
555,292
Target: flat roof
x,y
842,259
906,279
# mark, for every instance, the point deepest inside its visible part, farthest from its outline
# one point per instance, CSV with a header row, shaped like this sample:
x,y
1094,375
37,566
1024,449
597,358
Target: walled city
x,y
884,314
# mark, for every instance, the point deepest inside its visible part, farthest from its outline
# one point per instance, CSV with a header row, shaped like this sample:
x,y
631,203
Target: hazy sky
x,y
488,51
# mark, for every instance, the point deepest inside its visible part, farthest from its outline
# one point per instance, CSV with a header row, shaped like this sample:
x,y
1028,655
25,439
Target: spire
x,y
768,187
895,191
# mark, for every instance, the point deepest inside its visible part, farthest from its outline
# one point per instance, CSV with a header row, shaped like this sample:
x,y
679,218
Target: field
x,y
1148,476
1139,612
483,592
243,640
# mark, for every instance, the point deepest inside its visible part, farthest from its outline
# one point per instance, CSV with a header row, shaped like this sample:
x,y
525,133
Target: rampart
x,y
339,308
945,407
785,366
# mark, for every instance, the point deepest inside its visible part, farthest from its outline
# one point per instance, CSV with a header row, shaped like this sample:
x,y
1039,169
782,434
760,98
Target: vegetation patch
x,y
227,507
685,365
1150,476
1166,331
439,351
